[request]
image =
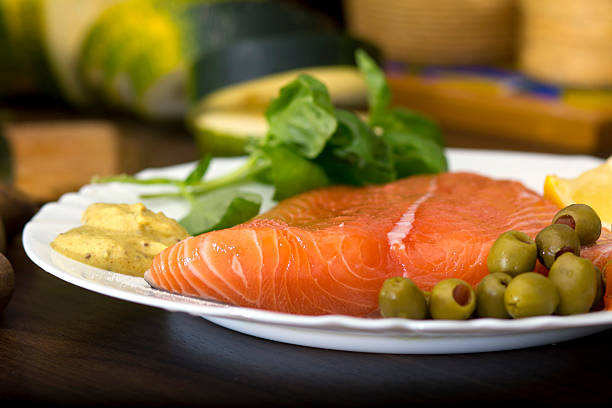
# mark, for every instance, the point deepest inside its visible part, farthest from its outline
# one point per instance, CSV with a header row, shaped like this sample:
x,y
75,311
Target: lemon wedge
x,y
592,187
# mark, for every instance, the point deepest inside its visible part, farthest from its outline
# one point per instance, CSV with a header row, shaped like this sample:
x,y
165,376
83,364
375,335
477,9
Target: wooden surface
x,y
63,345
479,117
58,151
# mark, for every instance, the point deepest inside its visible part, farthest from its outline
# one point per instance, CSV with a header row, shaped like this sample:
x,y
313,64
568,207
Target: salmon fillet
x,y
328,251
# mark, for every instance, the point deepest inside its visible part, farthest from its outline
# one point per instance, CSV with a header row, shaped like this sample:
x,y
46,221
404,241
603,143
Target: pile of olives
x,y
512,289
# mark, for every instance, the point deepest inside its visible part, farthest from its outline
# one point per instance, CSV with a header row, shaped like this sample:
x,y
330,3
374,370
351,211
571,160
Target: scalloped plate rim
x,y
346,332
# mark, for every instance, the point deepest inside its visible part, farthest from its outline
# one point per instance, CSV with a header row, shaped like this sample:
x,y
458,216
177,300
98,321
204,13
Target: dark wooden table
x,y
63,345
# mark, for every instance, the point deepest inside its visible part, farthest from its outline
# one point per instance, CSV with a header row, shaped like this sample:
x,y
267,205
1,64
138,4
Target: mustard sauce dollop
x,y
122,238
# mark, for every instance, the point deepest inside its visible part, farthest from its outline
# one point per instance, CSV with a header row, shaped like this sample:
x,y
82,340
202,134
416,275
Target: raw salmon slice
x,y
328,251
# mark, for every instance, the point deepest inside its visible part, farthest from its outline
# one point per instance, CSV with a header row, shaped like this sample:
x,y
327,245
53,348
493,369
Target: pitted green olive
x,y
452,299
554,240
531,294
513,252
400,297
490,295
583,219
576,280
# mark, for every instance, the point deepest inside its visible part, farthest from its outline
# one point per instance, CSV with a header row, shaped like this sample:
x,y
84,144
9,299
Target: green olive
x,y
400,297
513,252
583,219
554,240
490,295
452,299
576,281
531,294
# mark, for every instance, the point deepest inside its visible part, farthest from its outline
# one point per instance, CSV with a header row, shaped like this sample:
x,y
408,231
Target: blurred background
x,y
100,87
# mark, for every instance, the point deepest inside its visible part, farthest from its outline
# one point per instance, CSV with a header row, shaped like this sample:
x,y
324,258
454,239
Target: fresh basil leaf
x,y
197,174
409,122
290,173
221,209
414,154
309,144
301,117
356,155
379,94
415,140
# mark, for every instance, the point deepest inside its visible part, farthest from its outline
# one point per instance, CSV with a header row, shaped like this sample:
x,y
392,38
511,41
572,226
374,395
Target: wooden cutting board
x,y
55,156
497,120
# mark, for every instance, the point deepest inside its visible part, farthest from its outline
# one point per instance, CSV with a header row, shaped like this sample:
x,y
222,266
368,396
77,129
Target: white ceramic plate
x,y
332,331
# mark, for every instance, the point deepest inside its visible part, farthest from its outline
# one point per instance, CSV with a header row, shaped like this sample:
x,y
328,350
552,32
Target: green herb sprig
x,y
311,144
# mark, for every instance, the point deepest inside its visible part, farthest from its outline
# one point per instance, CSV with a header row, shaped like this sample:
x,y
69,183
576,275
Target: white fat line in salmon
x,y
402,228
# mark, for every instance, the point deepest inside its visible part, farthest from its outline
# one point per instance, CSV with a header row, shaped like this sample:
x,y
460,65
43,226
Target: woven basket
x,y
568,42
442,32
